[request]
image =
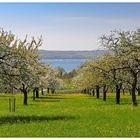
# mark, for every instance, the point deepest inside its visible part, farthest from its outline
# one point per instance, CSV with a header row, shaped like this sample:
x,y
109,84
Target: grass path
x,y
70,115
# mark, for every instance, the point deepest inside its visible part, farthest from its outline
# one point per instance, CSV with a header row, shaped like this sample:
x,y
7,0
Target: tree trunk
x,y
104,92
134,102
90,91
97,91
133,90
130,91
118,89
25,97
93,92
139,92
48,90
53,90
37,92
87,90
42,91
24,90
34,95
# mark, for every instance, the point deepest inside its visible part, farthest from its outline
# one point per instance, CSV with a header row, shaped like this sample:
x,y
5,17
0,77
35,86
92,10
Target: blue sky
x,y
68,26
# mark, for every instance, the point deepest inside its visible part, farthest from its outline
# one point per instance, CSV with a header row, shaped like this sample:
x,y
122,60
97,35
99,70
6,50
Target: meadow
x,y
69,115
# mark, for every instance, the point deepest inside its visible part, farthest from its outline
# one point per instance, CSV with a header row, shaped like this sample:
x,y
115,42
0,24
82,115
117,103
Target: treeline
x,y
44,54
119,70
21,68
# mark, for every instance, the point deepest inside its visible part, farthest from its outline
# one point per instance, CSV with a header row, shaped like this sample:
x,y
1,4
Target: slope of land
x,y
45,54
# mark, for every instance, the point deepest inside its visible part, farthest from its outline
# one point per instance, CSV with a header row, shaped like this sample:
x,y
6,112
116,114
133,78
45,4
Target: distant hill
x,y
71,54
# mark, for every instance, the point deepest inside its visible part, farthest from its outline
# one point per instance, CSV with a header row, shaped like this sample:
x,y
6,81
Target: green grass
x,y
69,115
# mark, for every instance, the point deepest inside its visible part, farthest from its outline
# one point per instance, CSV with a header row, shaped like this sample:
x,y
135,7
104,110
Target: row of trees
x,y
120,69
20,65
21,68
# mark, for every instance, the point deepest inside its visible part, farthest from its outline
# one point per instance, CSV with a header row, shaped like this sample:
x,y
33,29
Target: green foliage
x,y
120,68
60,72
52,80
19,61
20,66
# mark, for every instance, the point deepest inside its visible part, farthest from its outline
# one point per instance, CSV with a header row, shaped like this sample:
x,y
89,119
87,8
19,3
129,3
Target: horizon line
x,y
71,50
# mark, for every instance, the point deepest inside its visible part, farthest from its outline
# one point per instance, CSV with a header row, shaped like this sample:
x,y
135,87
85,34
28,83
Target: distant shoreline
x,y
64,58
46,54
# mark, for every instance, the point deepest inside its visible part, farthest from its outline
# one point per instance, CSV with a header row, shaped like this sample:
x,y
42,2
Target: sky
x,y
68,26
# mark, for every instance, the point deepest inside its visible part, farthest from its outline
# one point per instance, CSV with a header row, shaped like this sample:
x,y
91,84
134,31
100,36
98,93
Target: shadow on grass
x,y
28,119
3,96
40,100
52,97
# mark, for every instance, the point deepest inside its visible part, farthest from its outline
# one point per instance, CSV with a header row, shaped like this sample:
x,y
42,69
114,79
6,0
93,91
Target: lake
x,y
67,64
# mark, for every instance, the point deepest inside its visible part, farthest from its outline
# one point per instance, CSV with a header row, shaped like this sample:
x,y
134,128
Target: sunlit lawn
x,y
69,115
